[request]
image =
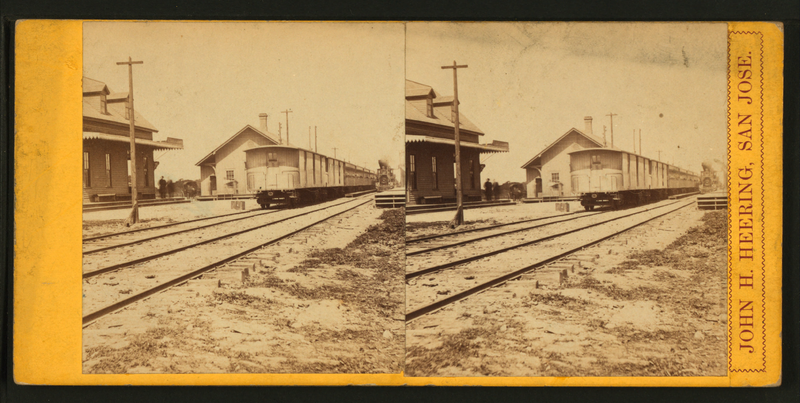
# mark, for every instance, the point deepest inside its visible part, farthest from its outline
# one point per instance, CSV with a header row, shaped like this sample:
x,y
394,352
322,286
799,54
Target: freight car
x,y
615,178
282,174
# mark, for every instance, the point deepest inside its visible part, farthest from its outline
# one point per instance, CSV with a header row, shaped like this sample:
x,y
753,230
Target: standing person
x,y
170,188
488,188
496,190
162,187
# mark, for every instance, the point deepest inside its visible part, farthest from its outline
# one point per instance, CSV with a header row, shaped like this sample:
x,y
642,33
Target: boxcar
x,y
291,175
615,178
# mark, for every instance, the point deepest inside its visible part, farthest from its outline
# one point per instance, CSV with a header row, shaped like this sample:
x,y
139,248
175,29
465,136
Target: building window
x,y
430,107
471,174
554,177
103,105
108,169
146,176
87,177
595,159
272,159
229,174
412,172
434,174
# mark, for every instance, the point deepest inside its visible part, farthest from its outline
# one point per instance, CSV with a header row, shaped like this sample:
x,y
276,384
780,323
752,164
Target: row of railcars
x,y
615,178
282,174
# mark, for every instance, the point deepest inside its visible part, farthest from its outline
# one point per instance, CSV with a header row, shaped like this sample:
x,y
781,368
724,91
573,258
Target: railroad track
x,y
90,269
182,273
155,227
134,237
494,270
430,243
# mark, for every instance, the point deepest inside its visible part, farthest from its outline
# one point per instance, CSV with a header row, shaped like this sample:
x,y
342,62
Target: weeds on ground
x,y
452,352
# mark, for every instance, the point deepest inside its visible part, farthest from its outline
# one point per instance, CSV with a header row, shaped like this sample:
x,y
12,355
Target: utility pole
x,y
315,139
280,136
612,127
287,112
133,218
634,141
640,142
334,152
459,218
309,137
659,155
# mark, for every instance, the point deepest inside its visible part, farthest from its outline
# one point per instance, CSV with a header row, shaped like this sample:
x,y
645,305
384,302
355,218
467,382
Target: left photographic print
x,y
242,197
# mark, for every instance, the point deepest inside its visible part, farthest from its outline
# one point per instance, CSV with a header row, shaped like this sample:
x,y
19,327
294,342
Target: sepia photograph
x,y
566,199
259,225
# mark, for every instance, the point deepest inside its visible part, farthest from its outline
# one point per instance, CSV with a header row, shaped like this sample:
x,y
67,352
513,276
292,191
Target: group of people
x,y
492,190
166,188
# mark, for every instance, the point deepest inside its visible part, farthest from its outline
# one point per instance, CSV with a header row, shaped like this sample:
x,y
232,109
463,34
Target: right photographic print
x,y
567,199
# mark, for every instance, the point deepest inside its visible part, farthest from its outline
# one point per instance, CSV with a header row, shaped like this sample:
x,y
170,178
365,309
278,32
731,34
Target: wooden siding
x,y
118,157
423,153
557,160
232,157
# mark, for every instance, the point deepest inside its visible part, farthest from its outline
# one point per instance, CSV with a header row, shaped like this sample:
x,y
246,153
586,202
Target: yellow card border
x,y
48,211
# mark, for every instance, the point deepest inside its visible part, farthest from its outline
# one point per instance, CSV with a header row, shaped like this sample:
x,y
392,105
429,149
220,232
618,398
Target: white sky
x,y
203,82
528,83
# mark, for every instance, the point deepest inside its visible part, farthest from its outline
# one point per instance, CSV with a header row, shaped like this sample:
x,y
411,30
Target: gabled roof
x,y
440,118
91,86
597,140
116,110
415,89
265,135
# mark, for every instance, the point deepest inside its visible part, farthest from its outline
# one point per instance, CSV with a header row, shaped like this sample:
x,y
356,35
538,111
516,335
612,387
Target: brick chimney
x,y
263,118
588,122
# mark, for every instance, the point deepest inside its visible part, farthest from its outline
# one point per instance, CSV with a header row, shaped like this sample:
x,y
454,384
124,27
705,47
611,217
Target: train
x,y
616,178
289,175
709,181
386,178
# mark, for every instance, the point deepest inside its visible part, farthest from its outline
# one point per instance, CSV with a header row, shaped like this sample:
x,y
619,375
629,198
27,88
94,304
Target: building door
x,y
213,180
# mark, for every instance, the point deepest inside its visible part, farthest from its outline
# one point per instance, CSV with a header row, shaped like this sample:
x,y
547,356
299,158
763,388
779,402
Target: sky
x,y
529,83
203,82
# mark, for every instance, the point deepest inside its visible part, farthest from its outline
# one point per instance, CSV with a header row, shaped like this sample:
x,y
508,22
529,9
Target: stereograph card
x,y
398,203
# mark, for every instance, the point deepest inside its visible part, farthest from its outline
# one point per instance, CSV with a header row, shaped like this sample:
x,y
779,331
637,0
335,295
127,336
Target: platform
x,y
394,198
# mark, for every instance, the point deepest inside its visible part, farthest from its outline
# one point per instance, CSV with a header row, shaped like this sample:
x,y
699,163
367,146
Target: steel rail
x,y
118,266
94,238
488,227
134,242
528,243
178,280
506,277
464,242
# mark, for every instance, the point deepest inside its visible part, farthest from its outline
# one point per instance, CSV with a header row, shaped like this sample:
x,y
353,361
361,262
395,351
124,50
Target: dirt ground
x,y
650,302
310,306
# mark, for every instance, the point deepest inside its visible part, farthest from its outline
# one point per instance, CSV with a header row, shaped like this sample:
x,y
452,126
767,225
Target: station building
x,y
106,146
223,172
430,148
548,172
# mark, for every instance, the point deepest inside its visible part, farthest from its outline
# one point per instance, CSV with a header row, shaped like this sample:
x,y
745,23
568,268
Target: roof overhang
x,y
170,144
495,147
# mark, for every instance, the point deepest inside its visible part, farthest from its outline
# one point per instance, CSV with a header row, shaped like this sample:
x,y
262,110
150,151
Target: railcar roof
x,y
673,167
291,147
